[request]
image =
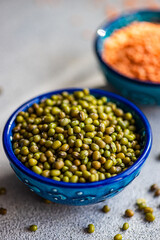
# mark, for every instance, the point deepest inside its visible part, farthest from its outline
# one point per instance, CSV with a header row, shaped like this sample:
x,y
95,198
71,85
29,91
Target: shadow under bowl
x,y
141,92
79,193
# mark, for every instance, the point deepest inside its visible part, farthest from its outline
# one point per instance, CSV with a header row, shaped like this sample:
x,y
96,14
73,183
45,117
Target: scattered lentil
x,y
129,213
46,201
3,211
105,209
3,191
125,226
142,205
118,237
33,228
154,187
91,228
149,217
148,210
140,200
157,192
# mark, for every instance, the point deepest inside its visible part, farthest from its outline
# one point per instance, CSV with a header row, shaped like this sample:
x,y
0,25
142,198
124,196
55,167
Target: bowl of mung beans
x,y
77,146
127,49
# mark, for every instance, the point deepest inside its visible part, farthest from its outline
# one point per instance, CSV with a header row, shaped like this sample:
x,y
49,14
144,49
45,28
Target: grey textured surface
x,y
46,45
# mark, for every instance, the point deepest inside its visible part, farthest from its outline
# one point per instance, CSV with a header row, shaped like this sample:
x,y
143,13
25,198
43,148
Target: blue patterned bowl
x,y
79,193
138,91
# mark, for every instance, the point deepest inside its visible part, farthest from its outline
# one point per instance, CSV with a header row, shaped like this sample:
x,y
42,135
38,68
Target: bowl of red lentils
x,y
128,49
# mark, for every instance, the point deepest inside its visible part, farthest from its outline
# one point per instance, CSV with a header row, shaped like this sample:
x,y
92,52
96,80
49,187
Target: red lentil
x,y
134,51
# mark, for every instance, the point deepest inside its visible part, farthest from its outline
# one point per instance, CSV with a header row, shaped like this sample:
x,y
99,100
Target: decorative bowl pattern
x,y
79,193
140,92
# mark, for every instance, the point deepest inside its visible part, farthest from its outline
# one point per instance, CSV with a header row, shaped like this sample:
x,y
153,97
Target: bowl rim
x,y
7,145
105,25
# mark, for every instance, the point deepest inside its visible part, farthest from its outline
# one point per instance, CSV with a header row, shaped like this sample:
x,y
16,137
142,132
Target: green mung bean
x,y
76,138
118,237
91,228
3,211
33,228
125,226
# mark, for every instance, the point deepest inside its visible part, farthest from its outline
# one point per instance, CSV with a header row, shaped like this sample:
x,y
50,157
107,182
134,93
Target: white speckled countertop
x,y
46,45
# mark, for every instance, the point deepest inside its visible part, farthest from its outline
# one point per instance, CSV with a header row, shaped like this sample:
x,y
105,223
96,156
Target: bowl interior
x,y
142,124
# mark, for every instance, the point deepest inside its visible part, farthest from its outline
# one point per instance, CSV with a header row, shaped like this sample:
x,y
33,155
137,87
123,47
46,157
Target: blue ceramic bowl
x,y
138,91
79,193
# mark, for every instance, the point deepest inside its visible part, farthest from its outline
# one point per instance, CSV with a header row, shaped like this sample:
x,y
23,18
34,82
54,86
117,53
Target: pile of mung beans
x,y
76,138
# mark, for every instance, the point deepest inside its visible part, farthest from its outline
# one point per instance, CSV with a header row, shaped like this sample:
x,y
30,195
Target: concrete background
x,y
46,45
